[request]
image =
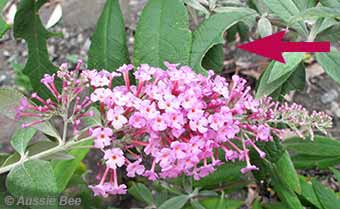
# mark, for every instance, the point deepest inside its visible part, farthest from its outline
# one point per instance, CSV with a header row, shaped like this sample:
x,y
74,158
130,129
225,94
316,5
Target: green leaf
x,y
286,195
317,12
10,101
307,192
265,87
33,178
286,10
326,196
177,202
296,81
64,169
264,27
276,205
214,59
330,3
21,138
320,146
210,33
162,34
28,26
141,193
213,203
302,161
329,31
286,172
276,161
226,173
336,173
108,48
330,62
196,205
280,69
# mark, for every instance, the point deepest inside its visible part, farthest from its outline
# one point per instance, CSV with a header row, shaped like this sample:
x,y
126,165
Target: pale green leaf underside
x,y
286,10
21,138
162,34
10,101
33,178
330,63
280,69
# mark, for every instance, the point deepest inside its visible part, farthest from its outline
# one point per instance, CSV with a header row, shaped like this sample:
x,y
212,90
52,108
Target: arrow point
x,y
270,46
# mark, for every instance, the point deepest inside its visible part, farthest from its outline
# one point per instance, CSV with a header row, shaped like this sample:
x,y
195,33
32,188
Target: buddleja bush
x,y
170,131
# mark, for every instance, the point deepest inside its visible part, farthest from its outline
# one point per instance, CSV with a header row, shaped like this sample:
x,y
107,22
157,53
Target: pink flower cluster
x,y
178,119
67,103
173,122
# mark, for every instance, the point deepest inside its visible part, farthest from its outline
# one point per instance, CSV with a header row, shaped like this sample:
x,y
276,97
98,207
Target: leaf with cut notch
x,y
210,33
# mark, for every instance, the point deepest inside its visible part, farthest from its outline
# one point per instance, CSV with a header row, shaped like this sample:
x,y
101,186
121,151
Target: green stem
x,y
60,147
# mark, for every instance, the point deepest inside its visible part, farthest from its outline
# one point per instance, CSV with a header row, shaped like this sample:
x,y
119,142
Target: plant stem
x,y
60,147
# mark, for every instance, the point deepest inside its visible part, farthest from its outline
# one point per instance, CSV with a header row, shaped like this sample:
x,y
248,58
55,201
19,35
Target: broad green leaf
x,y
296,81
213,203
108,48
286,10
214,59
272,167
162,34
286,81
225,173
280,69
329,31
286,172
64,169
304,4
320,146
330,63
330,3
307,192
33,178
196,204
10,101
28,26
210,33
141,193
177,202
326,196
317,12
276,205
287,195
336,173
21,138
302,161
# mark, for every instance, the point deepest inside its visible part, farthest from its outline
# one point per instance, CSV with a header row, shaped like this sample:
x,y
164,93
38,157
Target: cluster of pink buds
x,y
179,120
172,122
67,103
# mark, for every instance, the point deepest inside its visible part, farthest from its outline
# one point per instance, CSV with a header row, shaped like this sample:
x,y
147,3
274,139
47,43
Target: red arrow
x,y
273,47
